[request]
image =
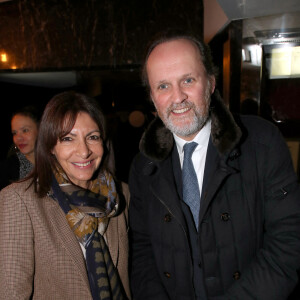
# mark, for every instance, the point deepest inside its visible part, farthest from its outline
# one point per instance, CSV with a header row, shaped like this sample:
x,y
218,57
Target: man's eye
x,y
189,80
162,86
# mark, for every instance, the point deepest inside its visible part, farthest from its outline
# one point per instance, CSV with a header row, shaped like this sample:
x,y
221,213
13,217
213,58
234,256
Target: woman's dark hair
x,y
177,34
28,111
57,121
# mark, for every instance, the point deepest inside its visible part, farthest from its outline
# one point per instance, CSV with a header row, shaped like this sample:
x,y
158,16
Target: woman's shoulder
x,y
21,188
22,195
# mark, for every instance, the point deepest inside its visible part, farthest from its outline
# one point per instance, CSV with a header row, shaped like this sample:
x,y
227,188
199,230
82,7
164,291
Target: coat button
x,y
234,155
168,218
236,275
225,217
167,274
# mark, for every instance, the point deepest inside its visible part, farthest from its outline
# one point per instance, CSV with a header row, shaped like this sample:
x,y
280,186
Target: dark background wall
x,y
85,34
102,42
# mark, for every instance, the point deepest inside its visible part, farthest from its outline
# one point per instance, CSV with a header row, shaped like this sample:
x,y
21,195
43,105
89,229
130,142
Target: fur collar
x,y
157,141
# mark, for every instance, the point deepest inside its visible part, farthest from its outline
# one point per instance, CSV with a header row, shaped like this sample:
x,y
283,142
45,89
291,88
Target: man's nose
x,y
179,95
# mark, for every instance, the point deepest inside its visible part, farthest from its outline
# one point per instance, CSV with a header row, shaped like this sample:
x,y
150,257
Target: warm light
x,y
13,67
3,57
136,118
285,62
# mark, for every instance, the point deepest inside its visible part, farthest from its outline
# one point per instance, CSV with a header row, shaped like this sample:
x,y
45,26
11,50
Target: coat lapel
x,y
112,235
67,238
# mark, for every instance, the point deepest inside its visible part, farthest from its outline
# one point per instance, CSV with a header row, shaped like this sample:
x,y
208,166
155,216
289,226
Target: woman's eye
x,y
66,139
94,138
25,130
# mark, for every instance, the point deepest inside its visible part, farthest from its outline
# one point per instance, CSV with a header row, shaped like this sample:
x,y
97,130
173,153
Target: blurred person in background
x,y
20,159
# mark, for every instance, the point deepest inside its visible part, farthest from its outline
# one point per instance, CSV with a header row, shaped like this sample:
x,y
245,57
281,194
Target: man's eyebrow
x,y
186,75
162,81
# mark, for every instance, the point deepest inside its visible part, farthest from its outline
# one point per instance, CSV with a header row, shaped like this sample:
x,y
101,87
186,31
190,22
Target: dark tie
x,y
191,193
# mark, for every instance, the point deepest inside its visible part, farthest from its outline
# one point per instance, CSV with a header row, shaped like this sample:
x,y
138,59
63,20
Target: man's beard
x,y
195,123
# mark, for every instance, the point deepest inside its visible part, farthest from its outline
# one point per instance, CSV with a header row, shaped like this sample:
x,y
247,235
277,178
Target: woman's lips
x,y
22,146
83,164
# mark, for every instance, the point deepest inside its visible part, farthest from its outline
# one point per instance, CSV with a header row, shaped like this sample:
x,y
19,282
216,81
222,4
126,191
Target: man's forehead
x,y
174,54
173,49
174,44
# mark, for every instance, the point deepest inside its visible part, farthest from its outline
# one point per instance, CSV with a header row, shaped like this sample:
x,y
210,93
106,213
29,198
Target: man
x,y
240,236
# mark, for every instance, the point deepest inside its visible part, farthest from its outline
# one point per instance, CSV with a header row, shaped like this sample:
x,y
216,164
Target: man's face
x,y
180,87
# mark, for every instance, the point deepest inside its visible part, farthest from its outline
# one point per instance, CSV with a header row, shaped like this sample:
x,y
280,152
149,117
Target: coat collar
x,y
157,141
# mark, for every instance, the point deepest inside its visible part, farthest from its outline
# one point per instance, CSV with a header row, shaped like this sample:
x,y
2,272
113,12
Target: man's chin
x,y
183,130
180,123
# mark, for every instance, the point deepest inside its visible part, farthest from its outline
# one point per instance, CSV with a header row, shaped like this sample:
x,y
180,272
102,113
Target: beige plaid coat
x,y
40,257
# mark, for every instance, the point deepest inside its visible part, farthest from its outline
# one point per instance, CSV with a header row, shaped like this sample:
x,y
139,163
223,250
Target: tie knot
x,y
189,148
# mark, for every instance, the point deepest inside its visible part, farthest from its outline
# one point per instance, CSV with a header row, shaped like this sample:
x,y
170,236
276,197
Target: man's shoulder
x,y
144,167
256,121
141,161
258,129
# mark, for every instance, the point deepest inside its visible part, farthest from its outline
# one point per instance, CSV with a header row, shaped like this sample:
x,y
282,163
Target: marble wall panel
x,y
64,34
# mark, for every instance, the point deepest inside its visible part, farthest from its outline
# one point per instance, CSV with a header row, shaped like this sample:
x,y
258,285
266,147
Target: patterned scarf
x,y
88,213
25,165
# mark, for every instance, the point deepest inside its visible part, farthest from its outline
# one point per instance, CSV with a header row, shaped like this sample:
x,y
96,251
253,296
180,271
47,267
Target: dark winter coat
x,y
249,224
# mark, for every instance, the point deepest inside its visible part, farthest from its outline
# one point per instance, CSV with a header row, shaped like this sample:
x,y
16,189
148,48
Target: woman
x,y
20,161
64,231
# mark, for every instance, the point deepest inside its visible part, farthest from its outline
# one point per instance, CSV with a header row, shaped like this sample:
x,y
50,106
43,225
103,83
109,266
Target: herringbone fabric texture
x,y
191,193
42,259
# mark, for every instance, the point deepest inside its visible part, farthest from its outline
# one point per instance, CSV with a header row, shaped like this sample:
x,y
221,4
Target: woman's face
x,y
24,131
79,153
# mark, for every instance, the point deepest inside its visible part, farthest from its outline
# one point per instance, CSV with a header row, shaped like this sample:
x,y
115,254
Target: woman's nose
x,y
83,149
18,136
